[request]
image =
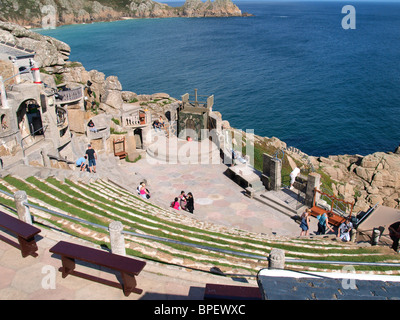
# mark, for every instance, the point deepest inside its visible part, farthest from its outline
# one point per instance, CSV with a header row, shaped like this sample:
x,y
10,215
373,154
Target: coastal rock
x,y
49,51
112,83
128,96
113,99
97,77
150,9
160,95
36,13
76,75
221,8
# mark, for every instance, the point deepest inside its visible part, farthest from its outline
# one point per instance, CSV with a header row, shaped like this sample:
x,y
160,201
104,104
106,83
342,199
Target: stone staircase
x,y
285,201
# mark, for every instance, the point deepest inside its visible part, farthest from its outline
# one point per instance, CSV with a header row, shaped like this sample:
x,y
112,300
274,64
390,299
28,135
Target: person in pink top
x,y
175,204
143,191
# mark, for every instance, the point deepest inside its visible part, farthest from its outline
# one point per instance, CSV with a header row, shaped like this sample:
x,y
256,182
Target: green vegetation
x,y
59,78
112,131
134,160
116,121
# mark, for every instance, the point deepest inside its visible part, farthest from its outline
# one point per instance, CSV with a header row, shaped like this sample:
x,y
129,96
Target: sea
x,y
290,71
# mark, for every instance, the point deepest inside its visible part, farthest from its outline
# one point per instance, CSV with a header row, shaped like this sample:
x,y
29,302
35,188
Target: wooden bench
x,y
228,292
128,267
24,232
333,219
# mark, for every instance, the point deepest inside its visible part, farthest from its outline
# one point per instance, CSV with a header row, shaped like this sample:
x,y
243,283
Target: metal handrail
x,y
247,255
33,134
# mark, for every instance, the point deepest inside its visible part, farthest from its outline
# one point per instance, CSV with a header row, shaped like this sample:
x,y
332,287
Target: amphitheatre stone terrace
x,y
95,198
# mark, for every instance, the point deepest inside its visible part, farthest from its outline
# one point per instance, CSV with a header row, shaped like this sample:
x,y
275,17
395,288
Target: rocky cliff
x,y
367,180
36,12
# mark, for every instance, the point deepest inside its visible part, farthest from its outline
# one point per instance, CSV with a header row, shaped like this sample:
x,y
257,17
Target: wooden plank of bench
x,y
333,218
228,292
24,232
128,267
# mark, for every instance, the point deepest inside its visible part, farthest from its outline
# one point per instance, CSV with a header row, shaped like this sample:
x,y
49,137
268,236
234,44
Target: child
x,y
175,204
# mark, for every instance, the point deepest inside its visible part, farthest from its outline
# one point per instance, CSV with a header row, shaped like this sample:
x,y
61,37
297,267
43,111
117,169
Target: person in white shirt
x,y
293,176
344,230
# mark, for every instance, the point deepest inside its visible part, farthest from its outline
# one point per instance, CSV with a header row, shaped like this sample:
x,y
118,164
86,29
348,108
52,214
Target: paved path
x,y
217,198
39,279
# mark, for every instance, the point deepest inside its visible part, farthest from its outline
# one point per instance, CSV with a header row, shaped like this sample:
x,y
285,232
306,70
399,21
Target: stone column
x,y
117,238
275,174
21,200
376,234
276,259
272,172
265,172
314,181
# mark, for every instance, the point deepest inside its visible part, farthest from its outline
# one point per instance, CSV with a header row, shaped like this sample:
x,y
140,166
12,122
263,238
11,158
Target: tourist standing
x,y
305,223
92,157
293,176
323,223
182,200
190,202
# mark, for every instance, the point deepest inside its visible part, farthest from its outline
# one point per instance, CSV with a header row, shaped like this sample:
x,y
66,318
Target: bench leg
x,y
28,247
129,284
68,266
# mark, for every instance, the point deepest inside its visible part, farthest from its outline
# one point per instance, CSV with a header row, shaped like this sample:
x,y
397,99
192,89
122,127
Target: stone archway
x,y
29,120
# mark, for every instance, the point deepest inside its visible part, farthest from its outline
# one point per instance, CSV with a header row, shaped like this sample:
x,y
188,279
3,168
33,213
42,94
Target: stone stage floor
x,y
217,198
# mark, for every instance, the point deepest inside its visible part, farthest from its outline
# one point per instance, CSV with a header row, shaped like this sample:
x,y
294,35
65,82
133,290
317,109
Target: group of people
x,y
158,124
143,191
184,202
88,161
323,224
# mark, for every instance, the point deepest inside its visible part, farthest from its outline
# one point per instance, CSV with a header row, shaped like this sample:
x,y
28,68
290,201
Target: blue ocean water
x,y
290,71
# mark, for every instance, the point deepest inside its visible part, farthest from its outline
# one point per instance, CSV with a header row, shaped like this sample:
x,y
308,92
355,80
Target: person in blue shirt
x,y
81,162
323,223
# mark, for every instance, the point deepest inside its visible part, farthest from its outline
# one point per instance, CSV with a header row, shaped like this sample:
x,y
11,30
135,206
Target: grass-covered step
x,y
101,202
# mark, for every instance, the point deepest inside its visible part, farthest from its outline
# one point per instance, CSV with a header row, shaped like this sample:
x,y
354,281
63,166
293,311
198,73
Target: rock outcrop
x,y
49,51
37,13
220,8
370,179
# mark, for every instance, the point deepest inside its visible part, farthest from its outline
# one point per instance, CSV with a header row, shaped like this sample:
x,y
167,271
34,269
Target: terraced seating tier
x,y
101,202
